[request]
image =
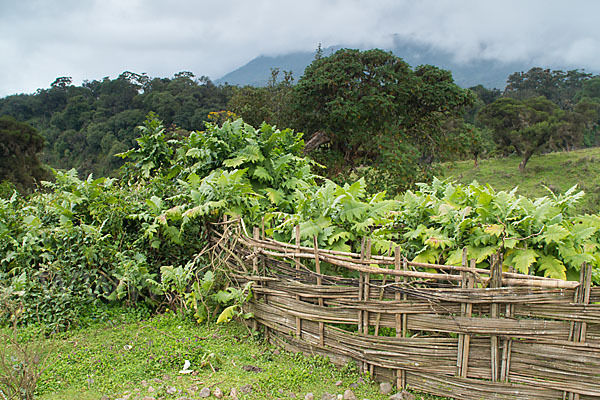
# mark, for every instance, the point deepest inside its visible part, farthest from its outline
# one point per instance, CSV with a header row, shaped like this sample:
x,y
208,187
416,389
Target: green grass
x,y
122,358
557,171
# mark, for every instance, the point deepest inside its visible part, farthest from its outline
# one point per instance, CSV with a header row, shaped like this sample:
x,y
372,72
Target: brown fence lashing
x,y
460,332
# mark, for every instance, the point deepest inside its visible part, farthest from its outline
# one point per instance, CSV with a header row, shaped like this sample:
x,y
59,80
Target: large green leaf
x,y
353,210
427,256
262,174
494,229
227,314
555,233
552,267
523,258
274,195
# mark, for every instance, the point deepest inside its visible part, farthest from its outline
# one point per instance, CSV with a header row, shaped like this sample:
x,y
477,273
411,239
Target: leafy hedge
x,y
84,242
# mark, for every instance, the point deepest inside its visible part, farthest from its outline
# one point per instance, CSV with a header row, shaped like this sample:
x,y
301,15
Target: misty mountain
x,y
491,74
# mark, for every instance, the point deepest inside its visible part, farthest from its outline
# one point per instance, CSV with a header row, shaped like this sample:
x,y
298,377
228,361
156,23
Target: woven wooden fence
x,y
460,332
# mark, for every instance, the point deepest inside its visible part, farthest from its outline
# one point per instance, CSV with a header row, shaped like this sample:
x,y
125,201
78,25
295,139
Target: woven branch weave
x,y
459,332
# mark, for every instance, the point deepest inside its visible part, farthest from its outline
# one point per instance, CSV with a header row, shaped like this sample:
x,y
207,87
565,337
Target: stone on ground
x,y
385,388
349,395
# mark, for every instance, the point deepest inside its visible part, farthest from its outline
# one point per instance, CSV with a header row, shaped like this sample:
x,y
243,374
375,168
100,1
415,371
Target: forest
x,y
110,188
418,115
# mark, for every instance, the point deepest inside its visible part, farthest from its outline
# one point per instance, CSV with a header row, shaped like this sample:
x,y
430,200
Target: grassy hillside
x,y
554,171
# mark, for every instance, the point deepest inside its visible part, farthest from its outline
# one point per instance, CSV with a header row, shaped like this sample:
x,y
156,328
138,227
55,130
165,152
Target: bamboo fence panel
x,y
459,332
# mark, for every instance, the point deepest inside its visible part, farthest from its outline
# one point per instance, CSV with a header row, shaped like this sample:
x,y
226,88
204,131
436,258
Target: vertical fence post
x,y
255,234
495,282
582,296
467,338
381,294
361,294
507,348
361,288
297,262
367,289
461,336
401,374
319,283
367,296
263,264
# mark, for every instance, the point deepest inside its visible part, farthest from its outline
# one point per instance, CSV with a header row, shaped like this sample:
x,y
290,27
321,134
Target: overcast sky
x,y
89,39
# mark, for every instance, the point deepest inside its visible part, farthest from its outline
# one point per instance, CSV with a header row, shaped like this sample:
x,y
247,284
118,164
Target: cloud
x,y
40,41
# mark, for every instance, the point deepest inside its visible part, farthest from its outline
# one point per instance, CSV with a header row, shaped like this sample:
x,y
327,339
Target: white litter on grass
x,y
128,347
186,366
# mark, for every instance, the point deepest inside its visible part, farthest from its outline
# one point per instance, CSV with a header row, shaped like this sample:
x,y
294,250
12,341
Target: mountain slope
x,y
491,74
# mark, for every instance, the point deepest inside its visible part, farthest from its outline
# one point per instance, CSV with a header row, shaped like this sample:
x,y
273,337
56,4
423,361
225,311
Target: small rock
x,y
246,389
340,397
204,393
354,385
144,383
148,398
183,398
407,395
157,380
252,368
385,388
276,352
309,396
403,395
360,380
105,397
293,395
151,389
171,390
218,393
233,393
339,383
328,396
349,395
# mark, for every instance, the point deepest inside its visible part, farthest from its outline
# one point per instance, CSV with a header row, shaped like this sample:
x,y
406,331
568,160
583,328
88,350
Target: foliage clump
x,y
144,238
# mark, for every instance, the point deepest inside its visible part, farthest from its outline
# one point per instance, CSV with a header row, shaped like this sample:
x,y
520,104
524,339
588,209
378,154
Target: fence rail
x,y
460,332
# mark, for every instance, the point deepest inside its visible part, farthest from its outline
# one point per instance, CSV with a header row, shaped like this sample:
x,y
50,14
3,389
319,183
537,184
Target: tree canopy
x,y
84,126
376,110
19,145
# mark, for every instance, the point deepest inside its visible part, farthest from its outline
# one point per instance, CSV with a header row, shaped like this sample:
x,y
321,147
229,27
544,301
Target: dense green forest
x,y
361,112
85,126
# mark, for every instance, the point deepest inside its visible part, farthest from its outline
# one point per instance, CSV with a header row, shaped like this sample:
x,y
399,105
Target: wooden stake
x,y
495,282
506,351
381,294
401,374
319,283
367,289
463,310
467,340
297,262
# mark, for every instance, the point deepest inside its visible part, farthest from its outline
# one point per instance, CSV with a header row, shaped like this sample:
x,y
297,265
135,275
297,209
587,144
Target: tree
x,y
555,85
528,126
268,104
19,145
374,109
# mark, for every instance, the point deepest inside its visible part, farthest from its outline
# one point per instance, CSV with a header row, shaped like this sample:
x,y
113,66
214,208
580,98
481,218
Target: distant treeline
x,y
364,113
84,126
